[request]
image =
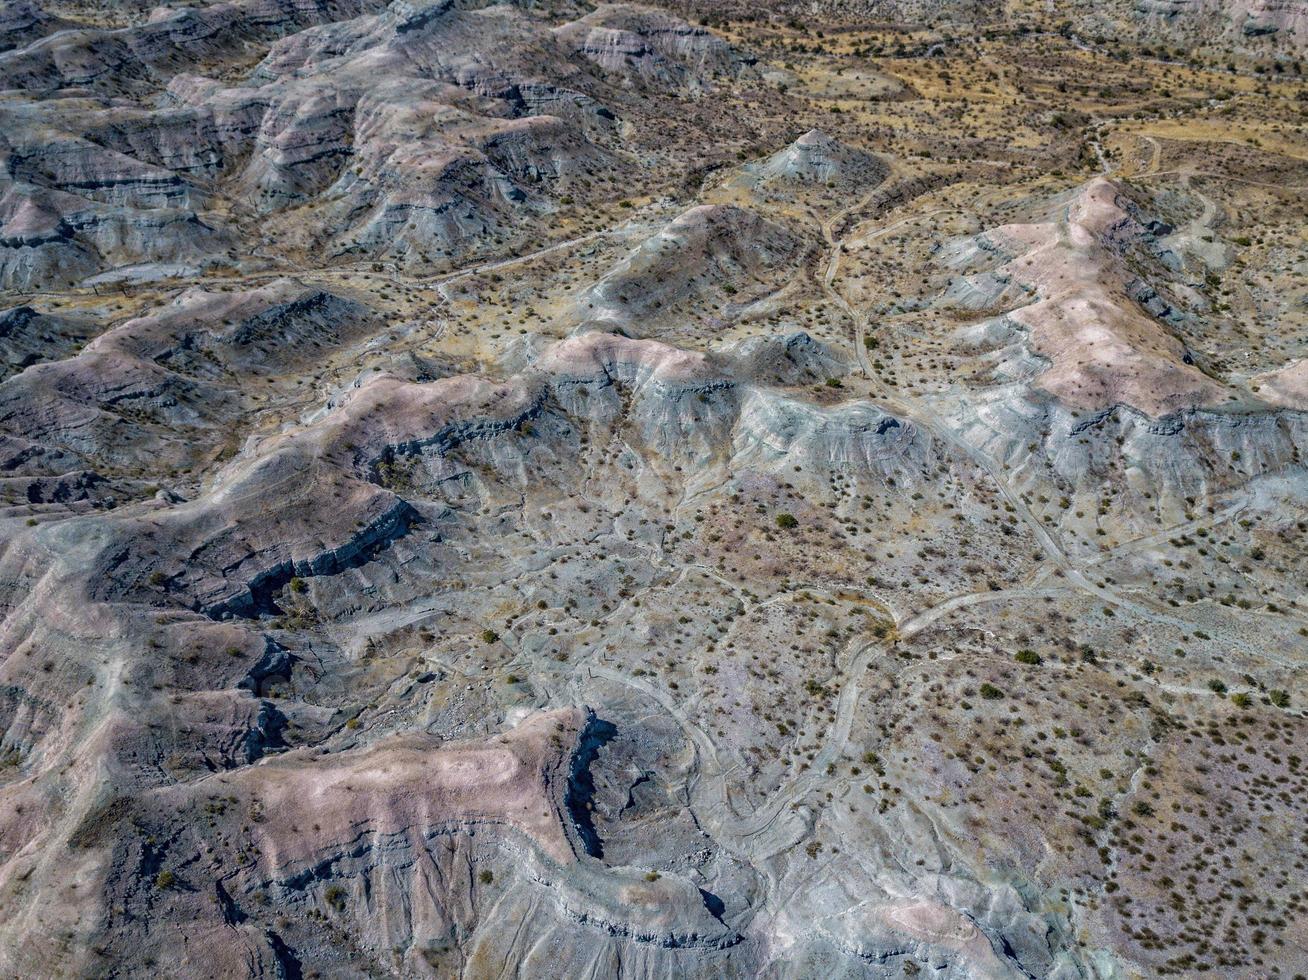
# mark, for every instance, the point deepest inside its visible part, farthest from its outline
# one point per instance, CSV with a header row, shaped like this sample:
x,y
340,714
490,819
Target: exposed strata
x,y
707,258
480,495
816,158
1102,349
499,122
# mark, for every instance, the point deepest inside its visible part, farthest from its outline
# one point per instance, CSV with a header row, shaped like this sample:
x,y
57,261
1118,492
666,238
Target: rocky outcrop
x,y
816,158
139,58
709,256
1100,348
23,21
580,567
52,238
500,123
1246,19
647,47
30,337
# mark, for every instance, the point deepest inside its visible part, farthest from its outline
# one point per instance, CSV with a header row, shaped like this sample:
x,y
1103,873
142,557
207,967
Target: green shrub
x,y
787,521
990,692
335,896
1029,657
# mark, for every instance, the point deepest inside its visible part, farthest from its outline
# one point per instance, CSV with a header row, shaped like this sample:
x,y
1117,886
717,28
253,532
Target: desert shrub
x,y
335,896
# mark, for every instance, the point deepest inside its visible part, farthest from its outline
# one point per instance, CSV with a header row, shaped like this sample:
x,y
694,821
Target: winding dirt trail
x,y
765,818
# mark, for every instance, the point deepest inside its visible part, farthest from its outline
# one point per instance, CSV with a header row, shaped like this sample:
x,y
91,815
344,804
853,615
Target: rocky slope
x,y
120,152
525,489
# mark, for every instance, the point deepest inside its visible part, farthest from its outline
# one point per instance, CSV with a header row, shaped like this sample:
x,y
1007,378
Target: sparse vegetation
x,y
552,449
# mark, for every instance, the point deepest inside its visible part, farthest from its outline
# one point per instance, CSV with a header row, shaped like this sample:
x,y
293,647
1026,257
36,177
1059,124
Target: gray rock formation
x,y
479,497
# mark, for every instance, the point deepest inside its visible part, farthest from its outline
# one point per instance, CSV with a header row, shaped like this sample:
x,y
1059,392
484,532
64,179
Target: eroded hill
x,y
542,489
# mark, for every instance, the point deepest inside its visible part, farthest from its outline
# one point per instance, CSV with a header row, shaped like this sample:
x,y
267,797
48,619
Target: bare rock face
x,y
31,337
816,158
163,389
419,803
50,237
707,257
481,496
1246,18
412,133
23,22
1079,314
136,58
647,47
